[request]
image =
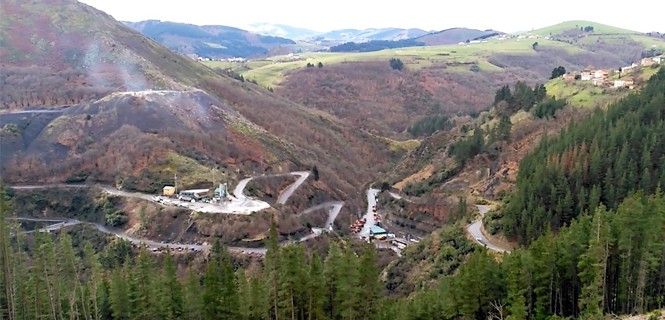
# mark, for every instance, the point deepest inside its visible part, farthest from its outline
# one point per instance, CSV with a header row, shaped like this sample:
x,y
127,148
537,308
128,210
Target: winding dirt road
x,y
150,244
476,231
288,192
239,190
60,223
334,208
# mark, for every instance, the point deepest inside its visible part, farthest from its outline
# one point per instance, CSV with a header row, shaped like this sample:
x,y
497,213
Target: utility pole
x,y
175,182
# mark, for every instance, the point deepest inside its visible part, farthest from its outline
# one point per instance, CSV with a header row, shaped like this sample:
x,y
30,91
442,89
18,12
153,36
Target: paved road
x,y
476,231
369,215
288,192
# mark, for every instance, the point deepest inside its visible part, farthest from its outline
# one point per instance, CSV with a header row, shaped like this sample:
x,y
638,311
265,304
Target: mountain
x,y
455,35
88,98
210,41
365,35
282,30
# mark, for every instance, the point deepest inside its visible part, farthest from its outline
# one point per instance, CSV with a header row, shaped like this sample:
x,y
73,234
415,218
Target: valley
x,y
168,170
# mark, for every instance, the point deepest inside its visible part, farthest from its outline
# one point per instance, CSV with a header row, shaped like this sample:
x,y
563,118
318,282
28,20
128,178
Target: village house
x,y
599,82
601,74
586,75
623,83
628,69
569,77
658,59
647,62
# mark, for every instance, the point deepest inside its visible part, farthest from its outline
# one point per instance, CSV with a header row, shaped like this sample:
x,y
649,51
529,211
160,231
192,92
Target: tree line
x,y
375,45
599,160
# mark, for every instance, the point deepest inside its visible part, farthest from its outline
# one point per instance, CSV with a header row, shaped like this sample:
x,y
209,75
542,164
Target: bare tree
x,y
497,312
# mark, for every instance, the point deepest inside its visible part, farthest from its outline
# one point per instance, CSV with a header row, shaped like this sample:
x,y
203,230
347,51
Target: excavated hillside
x,y
85,98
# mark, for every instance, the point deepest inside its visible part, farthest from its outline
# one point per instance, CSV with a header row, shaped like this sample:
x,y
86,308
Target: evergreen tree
x,y
171,304
220,299
369,286
593,267
315,289
272,263
192,297
119,295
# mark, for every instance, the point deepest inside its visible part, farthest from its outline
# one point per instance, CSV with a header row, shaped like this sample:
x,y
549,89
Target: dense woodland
x,y
375,45
599,160
608,262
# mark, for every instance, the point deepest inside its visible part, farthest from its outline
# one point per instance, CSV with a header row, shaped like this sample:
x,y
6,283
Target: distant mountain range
x,y
282,30
212,41
455,35
366,35
217,41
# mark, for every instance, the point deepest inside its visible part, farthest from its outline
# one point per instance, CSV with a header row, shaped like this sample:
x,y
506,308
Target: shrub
x,y
396,64
116,218
428,125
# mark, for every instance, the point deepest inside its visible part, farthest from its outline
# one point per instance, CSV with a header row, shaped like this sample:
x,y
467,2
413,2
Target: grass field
x,y
598,28
270,72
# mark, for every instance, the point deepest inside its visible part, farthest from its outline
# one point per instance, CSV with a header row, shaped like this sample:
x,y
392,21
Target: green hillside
x,y
598,28
270,72
611,42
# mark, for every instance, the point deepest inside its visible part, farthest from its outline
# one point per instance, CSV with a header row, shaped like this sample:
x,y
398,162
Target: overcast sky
x,y
503,15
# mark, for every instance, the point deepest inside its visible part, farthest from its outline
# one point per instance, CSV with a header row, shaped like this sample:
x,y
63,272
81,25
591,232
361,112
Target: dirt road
x,y
476,231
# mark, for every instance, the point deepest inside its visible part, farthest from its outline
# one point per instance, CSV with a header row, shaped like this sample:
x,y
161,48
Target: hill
x,y
374,45
210,41
576,25
111,86
455,35
365,35
459,79
282,30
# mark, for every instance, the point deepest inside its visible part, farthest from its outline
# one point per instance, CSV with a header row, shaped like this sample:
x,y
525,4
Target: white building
x,y
586,76
623,83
